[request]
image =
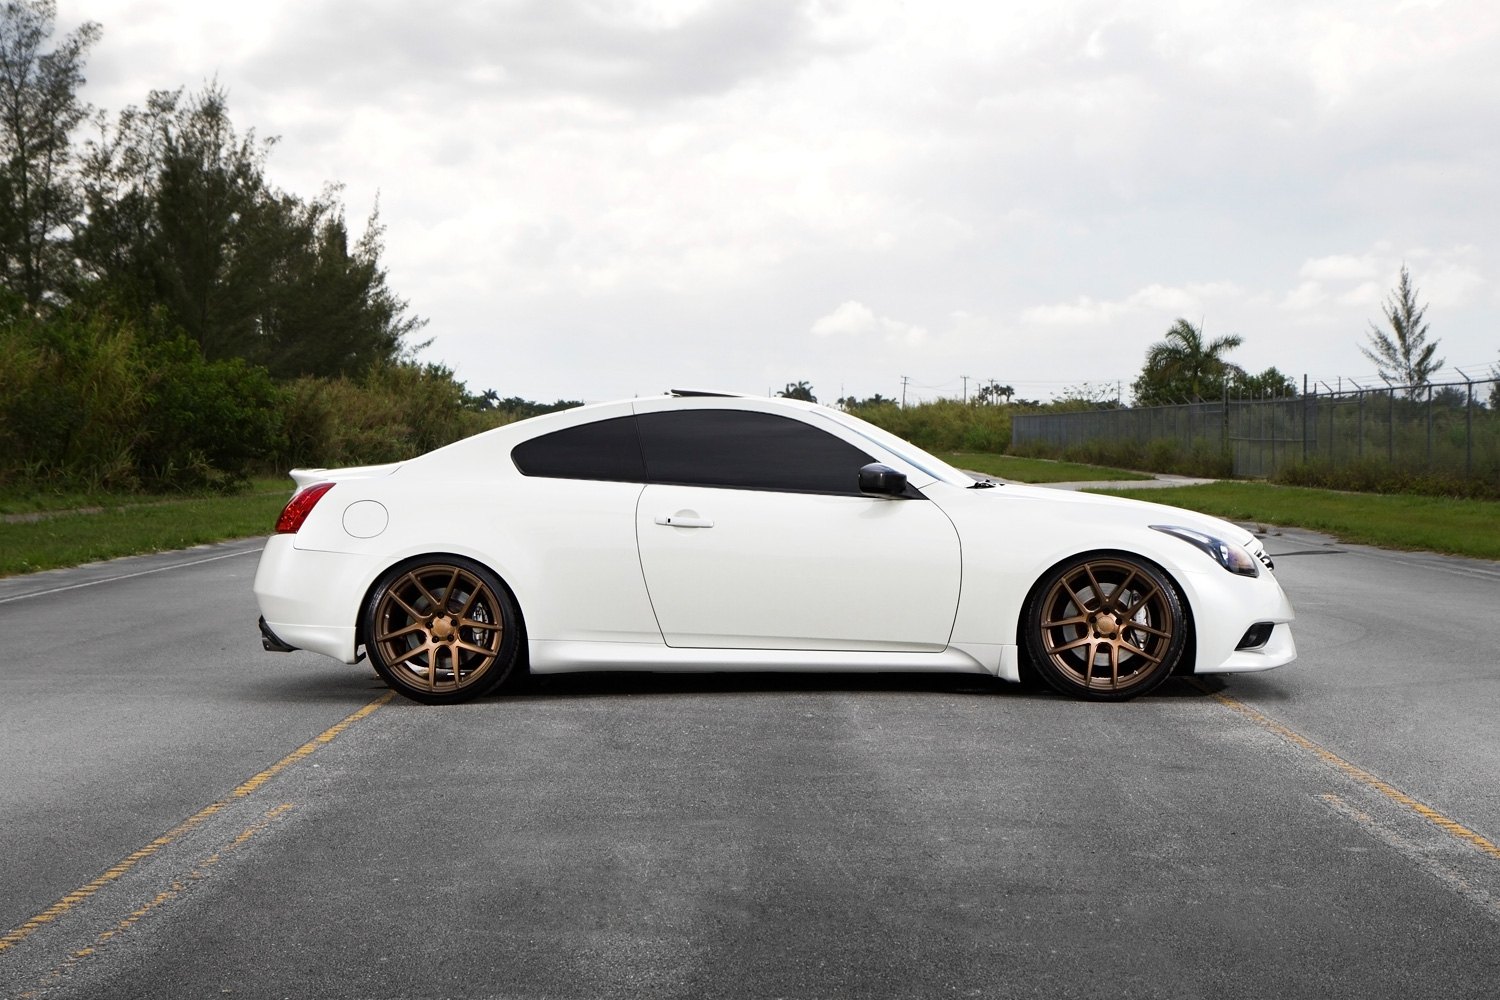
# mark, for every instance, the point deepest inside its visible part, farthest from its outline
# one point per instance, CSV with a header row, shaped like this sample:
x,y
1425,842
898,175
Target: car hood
x,y
1152,513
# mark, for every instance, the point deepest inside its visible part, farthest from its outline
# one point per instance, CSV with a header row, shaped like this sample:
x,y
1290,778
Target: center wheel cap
x,y
1106,625
443,628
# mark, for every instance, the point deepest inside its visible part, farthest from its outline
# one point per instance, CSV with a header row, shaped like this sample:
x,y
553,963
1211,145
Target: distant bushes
x,y
92,403
1370,476
943,425
394,412
1161,455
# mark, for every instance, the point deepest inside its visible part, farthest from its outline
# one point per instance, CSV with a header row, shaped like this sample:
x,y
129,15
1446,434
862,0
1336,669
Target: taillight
x,y
299,506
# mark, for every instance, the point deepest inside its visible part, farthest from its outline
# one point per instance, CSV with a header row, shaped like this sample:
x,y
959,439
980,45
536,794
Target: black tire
x,y
441,629
1105,627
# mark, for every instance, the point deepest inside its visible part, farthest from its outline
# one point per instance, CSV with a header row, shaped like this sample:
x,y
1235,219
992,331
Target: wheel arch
x,y
523,657
1190,646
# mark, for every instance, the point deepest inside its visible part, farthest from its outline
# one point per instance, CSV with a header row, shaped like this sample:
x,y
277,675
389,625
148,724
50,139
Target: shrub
x,y
1370,476
394,412
207,424
943,425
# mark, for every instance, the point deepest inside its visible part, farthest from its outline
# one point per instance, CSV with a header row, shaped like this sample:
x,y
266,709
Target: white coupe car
x,y
697,531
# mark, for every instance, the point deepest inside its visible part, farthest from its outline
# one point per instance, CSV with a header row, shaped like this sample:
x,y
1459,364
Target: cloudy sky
x,y
599,198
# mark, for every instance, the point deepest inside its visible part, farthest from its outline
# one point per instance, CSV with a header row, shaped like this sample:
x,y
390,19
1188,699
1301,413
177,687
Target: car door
x,y
753,535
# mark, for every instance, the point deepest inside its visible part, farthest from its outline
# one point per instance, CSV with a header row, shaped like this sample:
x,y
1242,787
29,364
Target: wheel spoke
x,y
1082,641
406,630
475,593
1078,602
1078,620
1114,666
411,611
399,656
1122,591
417,582
1135,608
1137,650
472,648
450,588
1100,597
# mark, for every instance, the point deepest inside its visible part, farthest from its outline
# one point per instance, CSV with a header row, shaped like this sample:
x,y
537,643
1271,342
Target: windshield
x,y
904,450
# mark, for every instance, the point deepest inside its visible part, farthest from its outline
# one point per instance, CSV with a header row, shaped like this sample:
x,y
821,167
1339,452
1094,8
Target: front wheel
x,y
441,629
1105,627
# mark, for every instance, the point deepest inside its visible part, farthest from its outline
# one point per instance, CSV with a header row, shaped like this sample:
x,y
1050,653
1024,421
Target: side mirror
x,y
879,480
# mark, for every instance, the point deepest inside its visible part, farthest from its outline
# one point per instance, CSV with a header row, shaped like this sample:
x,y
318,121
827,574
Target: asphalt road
x,y
184,815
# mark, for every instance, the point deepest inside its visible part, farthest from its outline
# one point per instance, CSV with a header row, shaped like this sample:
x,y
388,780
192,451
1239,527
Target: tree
x,y
181,220
800,390
1403,356
1185,367
1089,396
39,110
1270,382
854,402
993,392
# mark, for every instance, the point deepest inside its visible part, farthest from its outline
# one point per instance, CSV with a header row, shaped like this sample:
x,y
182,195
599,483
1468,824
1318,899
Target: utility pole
x,y
966,387
904,380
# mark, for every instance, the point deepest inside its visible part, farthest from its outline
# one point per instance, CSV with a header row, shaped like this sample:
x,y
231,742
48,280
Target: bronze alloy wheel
x,y
440,631
1106,627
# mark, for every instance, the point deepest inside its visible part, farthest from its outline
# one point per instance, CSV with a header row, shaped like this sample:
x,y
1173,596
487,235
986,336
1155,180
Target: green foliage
x,y
1184,367
1270,383
1403,356
394,412
87,402
1088,396
71,396
514,407
1035,470
943,425
1159,455
1372,476
180,218
157,524
992,393
207,424
799,390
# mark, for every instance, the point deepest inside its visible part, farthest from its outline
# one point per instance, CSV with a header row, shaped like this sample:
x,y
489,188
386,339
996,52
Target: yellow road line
x,y
1359,774
194,821
174,889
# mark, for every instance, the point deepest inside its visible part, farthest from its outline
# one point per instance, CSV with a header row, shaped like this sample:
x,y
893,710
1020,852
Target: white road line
x,y
127,576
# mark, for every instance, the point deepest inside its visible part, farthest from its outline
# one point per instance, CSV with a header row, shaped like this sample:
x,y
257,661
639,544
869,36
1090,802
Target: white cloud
x,y
1340,267
1163,300
855,319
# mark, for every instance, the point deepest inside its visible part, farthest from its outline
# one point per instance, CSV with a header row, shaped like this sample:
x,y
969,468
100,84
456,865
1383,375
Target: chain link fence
x,y
1451,428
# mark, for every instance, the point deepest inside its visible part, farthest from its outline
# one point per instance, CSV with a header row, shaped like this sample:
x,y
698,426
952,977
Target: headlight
x,y
1235,558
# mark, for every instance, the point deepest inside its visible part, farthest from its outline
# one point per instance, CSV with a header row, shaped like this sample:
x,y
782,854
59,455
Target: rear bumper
x,y
308,599
270,641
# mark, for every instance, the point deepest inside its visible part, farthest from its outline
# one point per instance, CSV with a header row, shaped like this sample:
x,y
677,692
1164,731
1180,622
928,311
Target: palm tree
x,y
799,390
1184,365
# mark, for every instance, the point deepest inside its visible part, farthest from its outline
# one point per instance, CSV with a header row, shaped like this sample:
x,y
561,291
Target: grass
x,y
1035,470
130,526
1435,524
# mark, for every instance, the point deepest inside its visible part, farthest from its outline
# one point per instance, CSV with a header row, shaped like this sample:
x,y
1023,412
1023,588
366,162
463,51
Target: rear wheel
x,y
441,629
1105,627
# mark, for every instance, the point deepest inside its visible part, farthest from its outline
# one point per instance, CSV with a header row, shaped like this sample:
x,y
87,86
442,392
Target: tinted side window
x,y
745,450
604,449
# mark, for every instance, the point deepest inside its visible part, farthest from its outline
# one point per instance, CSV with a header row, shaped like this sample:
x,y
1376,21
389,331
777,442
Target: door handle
x,y
684,521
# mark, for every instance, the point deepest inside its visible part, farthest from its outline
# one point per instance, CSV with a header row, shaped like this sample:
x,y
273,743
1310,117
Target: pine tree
x,y
1403,356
